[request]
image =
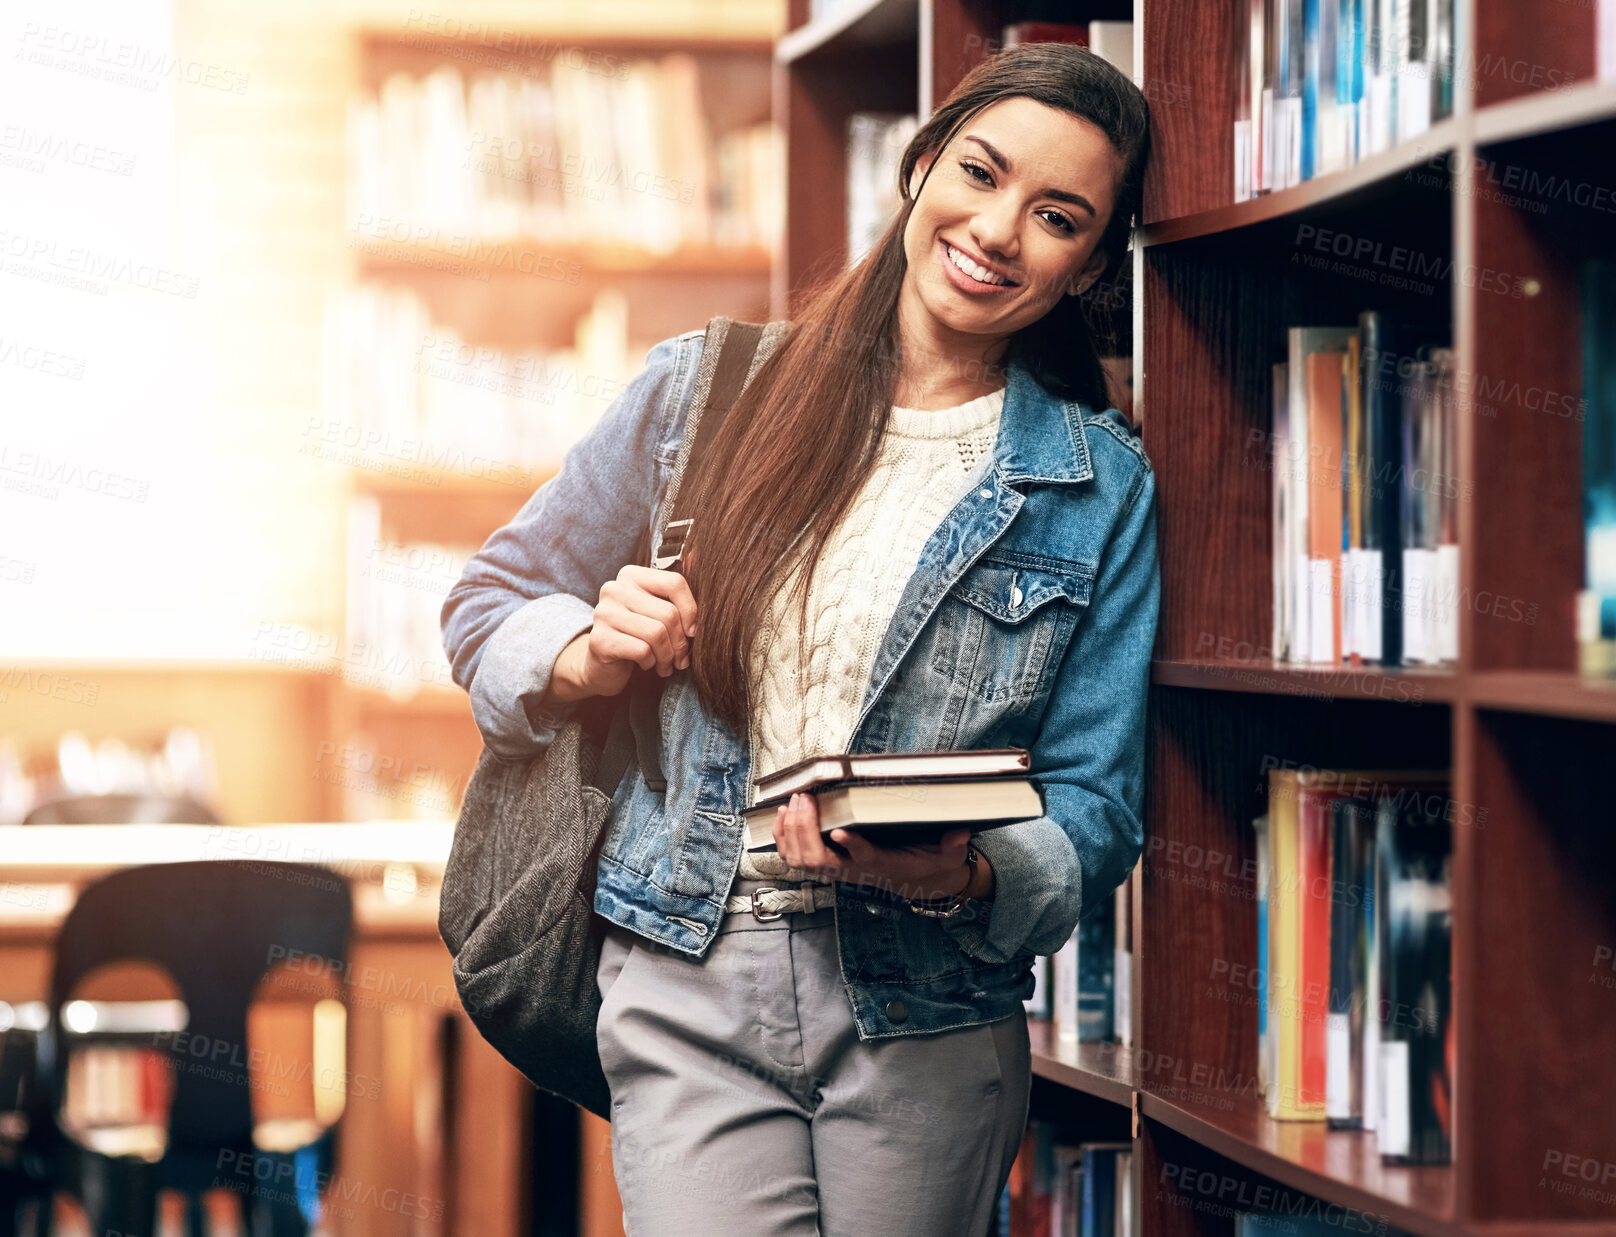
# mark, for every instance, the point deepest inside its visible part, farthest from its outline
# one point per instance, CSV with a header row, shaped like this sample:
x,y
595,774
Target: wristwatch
x,y
946,908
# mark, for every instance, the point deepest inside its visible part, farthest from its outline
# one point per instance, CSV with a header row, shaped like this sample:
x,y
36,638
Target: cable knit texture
x,y
808,686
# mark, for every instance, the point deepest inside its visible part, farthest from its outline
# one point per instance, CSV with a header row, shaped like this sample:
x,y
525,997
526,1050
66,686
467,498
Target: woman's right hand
x,y
645,617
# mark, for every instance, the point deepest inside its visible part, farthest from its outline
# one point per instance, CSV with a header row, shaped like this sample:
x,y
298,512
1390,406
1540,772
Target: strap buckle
x,y
758,912
673,541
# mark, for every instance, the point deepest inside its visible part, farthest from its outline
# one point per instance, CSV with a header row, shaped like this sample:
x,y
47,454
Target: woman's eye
x,y
977,172
1059,220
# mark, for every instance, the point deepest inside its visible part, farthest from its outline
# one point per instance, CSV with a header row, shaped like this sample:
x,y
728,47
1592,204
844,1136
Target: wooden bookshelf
x,y
524,292
1104,1071
1526,738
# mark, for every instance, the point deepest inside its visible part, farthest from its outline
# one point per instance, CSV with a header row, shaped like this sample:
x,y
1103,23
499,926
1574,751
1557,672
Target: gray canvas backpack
x,y
516,910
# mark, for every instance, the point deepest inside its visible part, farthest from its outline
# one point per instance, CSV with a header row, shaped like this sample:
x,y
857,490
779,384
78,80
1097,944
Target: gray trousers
x,y
744,1102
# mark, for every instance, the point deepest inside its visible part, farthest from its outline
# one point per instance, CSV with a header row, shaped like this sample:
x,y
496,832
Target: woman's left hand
x,y
936,870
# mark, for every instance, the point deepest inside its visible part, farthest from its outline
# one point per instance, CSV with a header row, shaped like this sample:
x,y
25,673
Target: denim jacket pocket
x,y
1005,623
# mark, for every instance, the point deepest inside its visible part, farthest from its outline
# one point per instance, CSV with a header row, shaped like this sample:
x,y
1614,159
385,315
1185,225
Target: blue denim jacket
x,y
1028,622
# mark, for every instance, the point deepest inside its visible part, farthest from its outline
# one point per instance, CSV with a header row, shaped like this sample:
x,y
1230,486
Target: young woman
x,y
831,1040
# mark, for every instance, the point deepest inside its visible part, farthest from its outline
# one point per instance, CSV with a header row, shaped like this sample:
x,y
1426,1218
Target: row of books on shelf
x,y
571,155
1064,1187
1325,83
178,763
403,392
1596,604
117,1086
1085,988
1354,955
1059,1188
1365,496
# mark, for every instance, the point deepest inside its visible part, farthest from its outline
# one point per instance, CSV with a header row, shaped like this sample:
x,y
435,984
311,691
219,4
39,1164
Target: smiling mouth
x,y
974,270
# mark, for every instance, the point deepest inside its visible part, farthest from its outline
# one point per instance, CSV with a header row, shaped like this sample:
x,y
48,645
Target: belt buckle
x,y
758,912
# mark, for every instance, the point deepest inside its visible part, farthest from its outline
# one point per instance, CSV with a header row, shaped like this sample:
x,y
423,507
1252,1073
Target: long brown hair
x,y
798,445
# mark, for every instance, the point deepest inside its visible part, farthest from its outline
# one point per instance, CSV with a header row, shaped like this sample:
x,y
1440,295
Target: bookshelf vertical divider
x,y
1215,284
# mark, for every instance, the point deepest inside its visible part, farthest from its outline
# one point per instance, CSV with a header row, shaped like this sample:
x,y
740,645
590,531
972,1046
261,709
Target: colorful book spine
x,y
1096,960
1313,945
1285,1087
1421,506
1324,514
1100,1187
1382,500
1281,458
1302,342
1122,967
1065,988
1265,1032
1415,842
1445,481
1352,832
1354,575
1596,603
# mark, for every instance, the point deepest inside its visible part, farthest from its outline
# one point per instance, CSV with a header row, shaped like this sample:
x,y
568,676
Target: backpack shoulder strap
x,y
730,355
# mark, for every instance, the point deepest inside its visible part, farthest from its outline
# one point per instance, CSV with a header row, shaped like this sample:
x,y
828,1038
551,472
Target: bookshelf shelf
x,y
1545,112
1371,179
1545,693
1104,1071
1337,1166
546,263
414,483
855,24
1321,682
510,47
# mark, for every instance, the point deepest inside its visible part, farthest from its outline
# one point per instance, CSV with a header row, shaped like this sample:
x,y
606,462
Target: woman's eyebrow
x,y
1002,162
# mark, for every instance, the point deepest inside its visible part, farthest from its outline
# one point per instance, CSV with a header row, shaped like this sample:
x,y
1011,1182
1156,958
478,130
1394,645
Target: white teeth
x,y
979,273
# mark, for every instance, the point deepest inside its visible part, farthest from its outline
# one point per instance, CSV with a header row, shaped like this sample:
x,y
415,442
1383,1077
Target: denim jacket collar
x,y
1040,437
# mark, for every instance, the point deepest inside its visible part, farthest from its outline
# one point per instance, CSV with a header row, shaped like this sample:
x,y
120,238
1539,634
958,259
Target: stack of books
x,y
901,798
568,154
1059,1188
1596,604
1355,923
1325,83
1365,496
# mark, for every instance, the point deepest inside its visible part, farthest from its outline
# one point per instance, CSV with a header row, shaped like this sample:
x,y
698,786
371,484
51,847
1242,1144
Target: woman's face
x,y
1010,219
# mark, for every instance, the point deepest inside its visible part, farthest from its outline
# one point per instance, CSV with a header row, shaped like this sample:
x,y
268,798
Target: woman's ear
x,y
919,173
1085,278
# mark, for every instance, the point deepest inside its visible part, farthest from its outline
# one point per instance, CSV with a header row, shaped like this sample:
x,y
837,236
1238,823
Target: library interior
x,y
1362,977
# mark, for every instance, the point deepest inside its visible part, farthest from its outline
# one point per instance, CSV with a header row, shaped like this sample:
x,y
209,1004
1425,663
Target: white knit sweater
x,y
808,687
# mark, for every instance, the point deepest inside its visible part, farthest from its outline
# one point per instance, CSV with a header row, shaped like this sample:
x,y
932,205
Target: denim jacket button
x,y
897,1011
985,493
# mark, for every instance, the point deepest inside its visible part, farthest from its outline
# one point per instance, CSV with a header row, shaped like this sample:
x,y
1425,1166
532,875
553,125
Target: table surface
x,y
33,851
395,867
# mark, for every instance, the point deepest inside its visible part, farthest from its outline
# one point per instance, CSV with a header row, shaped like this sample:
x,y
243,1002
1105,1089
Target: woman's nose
x,y
996,230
